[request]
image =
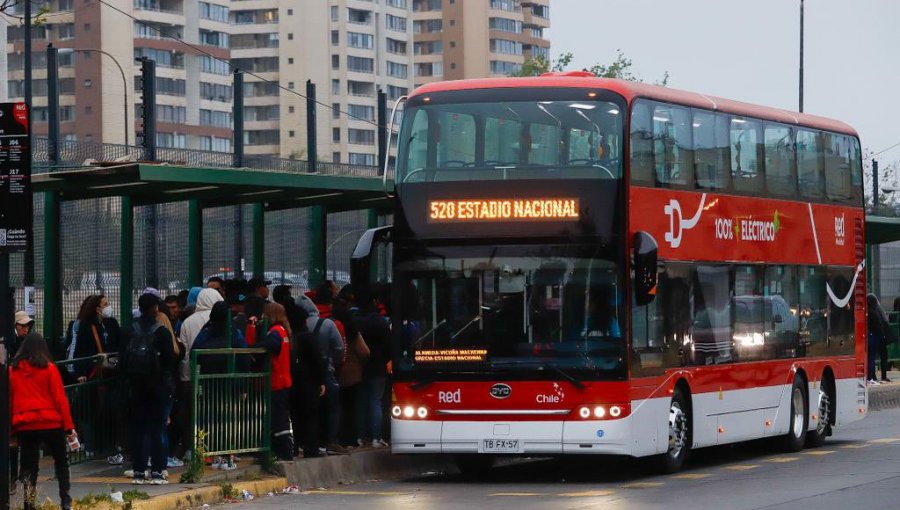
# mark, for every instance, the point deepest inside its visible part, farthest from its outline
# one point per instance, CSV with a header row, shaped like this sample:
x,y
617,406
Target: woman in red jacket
x,y
40,415
278,343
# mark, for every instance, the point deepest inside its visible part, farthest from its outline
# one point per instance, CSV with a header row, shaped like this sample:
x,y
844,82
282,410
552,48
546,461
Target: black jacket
x,y
165,345
377,334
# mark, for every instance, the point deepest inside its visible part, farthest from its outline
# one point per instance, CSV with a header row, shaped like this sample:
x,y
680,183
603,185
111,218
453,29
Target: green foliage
x,y
229,492
194,471
620,68
91,500
134,495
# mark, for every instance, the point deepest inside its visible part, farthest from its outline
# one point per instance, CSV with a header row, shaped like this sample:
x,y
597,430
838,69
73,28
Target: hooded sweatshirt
x,y
192,326
329,339
37,399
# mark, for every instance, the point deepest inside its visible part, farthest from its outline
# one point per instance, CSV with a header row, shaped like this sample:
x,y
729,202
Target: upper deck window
x,y
541,138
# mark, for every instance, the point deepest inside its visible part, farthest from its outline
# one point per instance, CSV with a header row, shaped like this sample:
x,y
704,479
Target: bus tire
x,y
680,433
824,413
474,466
796,434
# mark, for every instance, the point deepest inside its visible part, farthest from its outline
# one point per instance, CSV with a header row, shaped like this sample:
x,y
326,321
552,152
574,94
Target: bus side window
x,y
711,150
672,146
840,318
661,330
856,179
746,155
781,161
711,336
810,164
641,144
837,168
813,314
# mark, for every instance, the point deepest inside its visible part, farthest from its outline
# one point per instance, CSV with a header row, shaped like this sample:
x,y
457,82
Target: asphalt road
x,y
858,467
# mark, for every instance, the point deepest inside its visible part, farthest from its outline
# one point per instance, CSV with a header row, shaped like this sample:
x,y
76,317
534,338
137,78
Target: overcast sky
x,y
748,50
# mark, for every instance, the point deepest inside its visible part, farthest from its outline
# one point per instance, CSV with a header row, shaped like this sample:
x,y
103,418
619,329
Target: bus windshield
x,y
512,309
505,139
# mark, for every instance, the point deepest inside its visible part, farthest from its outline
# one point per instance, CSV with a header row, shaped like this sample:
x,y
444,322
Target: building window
x,y
335,157
336,135
214,12
290,109
290,12
335,61
290,134
262,137
335,87
504,67
399,4
453,44
397,70
290,36
361,64
505,25
359,111
506,5
356,158
215,118
428,48
506,46
360,41
290,85
395,23
334,13
396,47
359,16
361,136
427,26
335,37
335,110
65,31
290,60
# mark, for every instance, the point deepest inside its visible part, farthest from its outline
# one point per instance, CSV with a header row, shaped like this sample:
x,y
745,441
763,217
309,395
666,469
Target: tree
x,y
620,68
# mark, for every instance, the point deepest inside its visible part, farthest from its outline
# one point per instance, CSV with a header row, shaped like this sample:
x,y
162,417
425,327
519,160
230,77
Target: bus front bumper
x,y
611,437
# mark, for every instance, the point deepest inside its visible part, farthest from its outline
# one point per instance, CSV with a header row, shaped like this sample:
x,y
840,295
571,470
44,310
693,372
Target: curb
x,y
210,494
361,467
884,397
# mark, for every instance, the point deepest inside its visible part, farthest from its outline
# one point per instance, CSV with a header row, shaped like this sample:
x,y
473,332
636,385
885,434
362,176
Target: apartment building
x,y
350,49
458,39
100,76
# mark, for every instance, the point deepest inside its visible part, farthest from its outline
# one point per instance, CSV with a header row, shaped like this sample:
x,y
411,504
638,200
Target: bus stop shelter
x,y
138,184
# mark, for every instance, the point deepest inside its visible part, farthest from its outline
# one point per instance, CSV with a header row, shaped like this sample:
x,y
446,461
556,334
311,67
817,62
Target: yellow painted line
x,y
642,485
353,493
516,494
586,494
885,440
690,476
818,452
854,445
101,479
742,467
782,460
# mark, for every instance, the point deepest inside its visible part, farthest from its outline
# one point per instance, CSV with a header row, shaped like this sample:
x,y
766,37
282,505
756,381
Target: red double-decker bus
x,y
592,266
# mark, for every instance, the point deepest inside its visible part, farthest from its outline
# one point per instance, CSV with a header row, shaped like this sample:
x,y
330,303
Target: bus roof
x,y
633,90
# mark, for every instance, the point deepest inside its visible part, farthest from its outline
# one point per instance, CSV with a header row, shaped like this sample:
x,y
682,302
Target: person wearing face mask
x,y
89,338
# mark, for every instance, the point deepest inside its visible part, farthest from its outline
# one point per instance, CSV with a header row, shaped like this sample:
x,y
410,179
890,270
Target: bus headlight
x,y
599,412
422,412
585,412
615,411
408,412
396,411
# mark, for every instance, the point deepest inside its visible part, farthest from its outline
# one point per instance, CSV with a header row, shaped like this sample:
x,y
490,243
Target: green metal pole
x,y
372,222
126,262
259,240
195,243
317,245
52,267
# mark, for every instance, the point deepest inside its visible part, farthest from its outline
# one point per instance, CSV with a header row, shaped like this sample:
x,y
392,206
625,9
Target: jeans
x,y
180,432
309,403
368,408
148,411
874,345
282,436
332,409
30,442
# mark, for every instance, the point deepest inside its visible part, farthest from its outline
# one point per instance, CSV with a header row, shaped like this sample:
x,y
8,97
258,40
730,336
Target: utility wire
x,y
885,150
230,65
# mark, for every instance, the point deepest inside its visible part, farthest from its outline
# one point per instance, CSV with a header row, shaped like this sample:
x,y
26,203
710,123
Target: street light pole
x,y
801,56
124,82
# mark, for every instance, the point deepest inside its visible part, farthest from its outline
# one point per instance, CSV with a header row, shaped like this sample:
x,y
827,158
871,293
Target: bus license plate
x,y
500,446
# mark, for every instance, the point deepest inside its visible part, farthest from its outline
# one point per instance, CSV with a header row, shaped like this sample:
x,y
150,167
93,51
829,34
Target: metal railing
x,y
80,154
232,409
99,406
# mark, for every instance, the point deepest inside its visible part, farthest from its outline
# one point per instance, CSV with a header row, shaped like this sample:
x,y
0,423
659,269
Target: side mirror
x,y
361,261
644,263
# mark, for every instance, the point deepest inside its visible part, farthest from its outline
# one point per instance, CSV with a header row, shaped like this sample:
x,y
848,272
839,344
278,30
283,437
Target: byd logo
x,y
450,397
501,390
677,223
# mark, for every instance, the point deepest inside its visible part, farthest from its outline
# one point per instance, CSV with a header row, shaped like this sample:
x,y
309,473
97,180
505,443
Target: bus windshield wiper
x,y
567,376
430,331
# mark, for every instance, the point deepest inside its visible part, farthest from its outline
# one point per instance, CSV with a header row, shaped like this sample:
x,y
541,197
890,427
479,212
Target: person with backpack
x,y
40,415
329,347
214,335
278,343
148,363
369,407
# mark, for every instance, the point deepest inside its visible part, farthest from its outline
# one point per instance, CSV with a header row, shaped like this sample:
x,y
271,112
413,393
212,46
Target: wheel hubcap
x,y
824,412
799,412
678,430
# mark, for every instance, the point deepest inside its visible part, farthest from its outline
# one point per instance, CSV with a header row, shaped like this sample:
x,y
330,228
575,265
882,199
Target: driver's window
x,y
418,142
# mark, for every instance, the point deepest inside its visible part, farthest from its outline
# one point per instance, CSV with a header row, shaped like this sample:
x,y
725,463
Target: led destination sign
x,y
559,209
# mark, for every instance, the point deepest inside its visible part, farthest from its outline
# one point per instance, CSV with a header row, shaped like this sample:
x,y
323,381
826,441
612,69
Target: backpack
x,y
141,357
305,358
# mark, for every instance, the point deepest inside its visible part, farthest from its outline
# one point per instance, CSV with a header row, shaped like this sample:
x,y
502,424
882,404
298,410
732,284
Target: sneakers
x,y
229,466
217,463
379,443
322,452
873,382
885,380
138,479
116,460
363,444
336,449
174,462
157,479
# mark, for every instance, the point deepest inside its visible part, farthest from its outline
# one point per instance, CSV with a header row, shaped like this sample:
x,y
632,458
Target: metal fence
x,y
99,407
233,409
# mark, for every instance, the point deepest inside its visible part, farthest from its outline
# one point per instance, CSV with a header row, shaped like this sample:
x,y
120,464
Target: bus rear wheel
x,y
679,433
474,466
796,434
825,414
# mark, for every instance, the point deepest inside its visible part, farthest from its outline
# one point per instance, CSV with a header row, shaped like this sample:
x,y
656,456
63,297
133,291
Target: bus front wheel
x,y
679,433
